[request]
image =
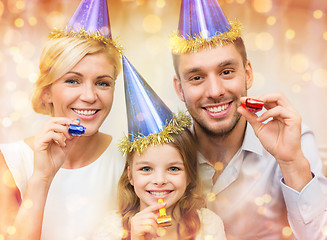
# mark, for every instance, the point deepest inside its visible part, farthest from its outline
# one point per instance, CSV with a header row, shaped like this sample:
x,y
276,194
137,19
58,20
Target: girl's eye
x,y
174,169
103,84
71,81
146,169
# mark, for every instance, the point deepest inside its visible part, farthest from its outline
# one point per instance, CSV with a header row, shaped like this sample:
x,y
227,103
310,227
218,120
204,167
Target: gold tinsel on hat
x,y
180,45
177,125
97,35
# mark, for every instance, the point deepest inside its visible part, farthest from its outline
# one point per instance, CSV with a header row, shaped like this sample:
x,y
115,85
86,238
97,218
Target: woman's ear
x,y
46,95
130,176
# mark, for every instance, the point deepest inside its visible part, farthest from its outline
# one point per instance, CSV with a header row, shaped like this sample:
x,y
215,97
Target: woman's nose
x,y
89,93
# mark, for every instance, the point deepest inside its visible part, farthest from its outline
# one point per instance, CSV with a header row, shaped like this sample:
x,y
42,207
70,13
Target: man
x,y
261,174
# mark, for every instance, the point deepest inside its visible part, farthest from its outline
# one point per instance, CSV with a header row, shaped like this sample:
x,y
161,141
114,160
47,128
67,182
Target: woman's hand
x,y
51,147
144,223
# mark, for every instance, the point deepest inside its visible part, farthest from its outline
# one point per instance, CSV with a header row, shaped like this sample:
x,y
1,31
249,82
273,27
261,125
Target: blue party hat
x,y
202,24
90,21
150,121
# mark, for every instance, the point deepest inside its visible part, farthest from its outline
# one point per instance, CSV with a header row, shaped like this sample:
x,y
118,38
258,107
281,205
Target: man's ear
x,y
46,95
130,176
249,75
178,88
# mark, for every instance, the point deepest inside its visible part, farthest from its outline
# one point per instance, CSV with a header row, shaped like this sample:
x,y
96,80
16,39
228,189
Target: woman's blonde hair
x,y
189,223
59,56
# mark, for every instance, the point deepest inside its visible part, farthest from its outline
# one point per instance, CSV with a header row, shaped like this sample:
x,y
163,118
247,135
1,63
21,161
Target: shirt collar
x,y
250,142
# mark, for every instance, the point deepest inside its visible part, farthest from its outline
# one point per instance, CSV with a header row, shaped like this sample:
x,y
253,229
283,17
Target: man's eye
x,y
196,78
226,72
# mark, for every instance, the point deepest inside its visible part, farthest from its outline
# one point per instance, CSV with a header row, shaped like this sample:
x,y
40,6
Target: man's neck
x,y
220,148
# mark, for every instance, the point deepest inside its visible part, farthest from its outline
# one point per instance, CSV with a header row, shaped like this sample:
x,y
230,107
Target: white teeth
x,y
85,112
218,109
159,193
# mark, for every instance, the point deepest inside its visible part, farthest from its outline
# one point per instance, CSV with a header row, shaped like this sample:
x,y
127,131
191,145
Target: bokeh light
x,y
20,4
306,77
11,230
211,197
240,1
319,77
6,122
219,166
324,231
7,179
161,231
287,232
264,41
161,3
318,14
19,22
271,20
32,21
299,63
27,203
325,35
290,34
296,88
152,23
262,6
56,19
208,237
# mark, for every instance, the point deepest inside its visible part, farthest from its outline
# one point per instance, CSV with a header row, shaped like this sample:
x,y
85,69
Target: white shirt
x,y
253,201
78,198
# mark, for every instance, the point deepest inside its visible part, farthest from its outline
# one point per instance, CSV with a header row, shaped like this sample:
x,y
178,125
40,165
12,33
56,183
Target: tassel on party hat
x,y
202,24
150,121
90,21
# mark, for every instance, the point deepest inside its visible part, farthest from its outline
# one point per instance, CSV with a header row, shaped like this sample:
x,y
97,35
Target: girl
x,y
65,183
159,165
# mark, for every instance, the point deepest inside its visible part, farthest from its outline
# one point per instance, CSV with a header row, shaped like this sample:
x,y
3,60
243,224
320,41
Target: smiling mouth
x,y
161,193
85,112
217,109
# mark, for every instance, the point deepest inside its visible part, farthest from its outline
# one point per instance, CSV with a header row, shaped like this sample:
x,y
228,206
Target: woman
x,y
65,182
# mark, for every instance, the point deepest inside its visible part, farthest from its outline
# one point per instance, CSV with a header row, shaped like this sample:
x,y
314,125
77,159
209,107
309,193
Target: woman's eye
x,y
103,84
71,81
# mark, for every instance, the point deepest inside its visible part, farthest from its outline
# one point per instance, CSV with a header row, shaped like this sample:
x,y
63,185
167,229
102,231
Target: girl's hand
x,y
144,223
51,147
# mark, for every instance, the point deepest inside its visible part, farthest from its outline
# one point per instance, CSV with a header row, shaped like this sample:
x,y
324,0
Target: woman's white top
x,y
78,198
